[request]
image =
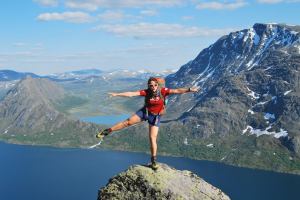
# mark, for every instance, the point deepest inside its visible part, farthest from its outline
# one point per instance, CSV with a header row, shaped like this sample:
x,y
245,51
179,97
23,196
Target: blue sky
x,y
52,36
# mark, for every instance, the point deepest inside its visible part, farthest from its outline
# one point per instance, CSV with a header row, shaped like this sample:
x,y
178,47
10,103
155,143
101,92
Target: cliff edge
x,y
141,182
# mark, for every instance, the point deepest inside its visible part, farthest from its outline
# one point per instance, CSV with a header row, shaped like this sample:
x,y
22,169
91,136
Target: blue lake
x,y
34,173
106,119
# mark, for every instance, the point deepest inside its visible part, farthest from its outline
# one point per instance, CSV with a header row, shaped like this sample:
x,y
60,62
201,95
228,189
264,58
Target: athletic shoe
x,y
154,165
102,133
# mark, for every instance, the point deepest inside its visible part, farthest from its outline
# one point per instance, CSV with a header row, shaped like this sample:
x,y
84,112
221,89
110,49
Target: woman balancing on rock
x,y
151,112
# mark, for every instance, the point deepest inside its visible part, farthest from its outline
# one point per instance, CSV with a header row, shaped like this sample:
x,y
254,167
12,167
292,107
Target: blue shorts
x,y
153,120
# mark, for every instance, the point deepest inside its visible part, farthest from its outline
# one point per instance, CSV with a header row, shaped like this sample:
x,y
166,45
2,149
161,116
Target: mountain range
x,y
87,75
10,75
249,81
247,112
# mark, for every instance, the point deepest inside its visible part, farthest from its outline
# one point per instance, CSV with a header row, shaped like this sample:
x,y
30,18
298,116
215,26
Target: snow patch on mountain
x,y
251,111
269,116
287,92
252,94
93,74
7,84
259,132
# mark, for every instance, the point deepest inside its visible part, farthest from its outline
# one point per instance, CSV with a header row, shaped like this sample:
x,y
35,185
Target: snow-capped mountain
x,y
240,51
94,74
8,79
87,75
77,74
250,85
138,74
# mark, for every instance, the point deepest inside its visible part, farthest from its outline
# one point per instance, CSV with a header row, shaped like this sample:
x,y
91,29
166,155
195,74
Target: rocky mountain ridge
x,y
141,182
93,74
247,112
249,81
10,75
28,104
28,111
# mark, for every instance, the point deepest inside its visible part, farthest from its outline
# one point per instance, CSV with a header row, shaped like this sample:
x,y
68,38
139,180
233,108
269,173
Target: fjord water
x,y
106,119
34,173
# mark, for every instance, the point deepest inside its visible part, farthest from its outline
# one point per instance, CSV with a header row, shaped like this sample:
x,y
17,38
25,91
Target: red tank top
x,y
155,105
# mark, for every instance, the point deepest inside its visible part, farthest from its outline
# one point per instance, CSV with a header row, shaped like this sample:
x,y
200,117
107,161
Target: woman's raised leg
x,y
134,119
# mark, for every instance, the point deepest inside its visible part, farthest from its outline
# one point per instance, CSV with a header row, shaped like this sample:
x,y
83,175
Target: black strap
x,y
149,96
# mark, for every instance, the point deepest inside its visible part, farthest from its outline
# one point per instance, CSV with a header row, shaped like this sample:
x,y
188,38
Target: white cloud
x,y
187,17
277,1
149,12
112,16
95,4
88,5
24,53
160,30
18,54
19,44
270,1
217,5
74,17
47,2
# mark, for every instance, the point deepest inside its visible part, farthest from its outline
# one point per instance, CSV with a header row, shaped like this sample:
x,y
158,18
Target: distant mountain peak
x,y
28,108
10,75
29,105
241,50
40,88
86,75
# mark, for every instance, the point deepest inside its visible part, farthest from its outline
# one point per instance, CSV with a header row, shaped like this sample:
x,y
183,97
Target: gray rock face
x,y
28,106
250,83
140,182
28,109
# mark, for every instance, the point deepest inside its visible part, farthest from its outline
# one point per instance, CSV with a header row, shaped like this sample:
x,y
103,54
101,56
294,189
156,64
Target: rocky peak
x,y
141,182
237,52
249,82
38,89
28,106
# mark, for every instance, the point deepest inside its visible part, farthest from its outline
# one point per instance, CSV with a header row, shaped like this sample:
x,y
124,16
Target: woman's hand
x,y
194,89
112,94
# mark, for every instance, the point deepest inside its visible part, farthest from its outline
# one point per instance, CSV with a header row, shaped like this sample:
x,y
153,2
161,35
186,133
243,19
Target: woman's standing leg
x,y
153,132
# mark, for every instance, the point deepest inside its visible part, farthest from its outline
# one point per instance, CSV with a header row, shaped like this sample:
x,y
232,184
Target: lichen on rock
x,y
141,182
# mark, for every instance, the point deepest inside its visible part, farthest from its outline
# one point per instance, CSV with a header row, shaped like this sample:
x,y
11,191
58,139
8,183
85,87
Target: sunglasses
x,y
150,85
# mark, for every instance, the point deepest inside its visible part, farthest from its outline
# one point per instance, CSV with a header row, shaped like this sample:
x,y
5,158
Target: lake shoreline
x,y
146,153
76,173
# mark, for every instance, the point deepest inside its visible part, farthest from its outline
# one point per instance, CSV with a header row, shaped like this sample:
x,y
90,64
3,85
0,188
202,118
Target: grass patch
x,y
69,102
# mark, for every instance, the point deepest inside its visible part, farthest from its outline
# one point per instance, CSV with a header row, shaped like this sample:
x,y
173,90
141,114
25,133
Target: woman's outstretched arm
x,y
124,94
183,90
